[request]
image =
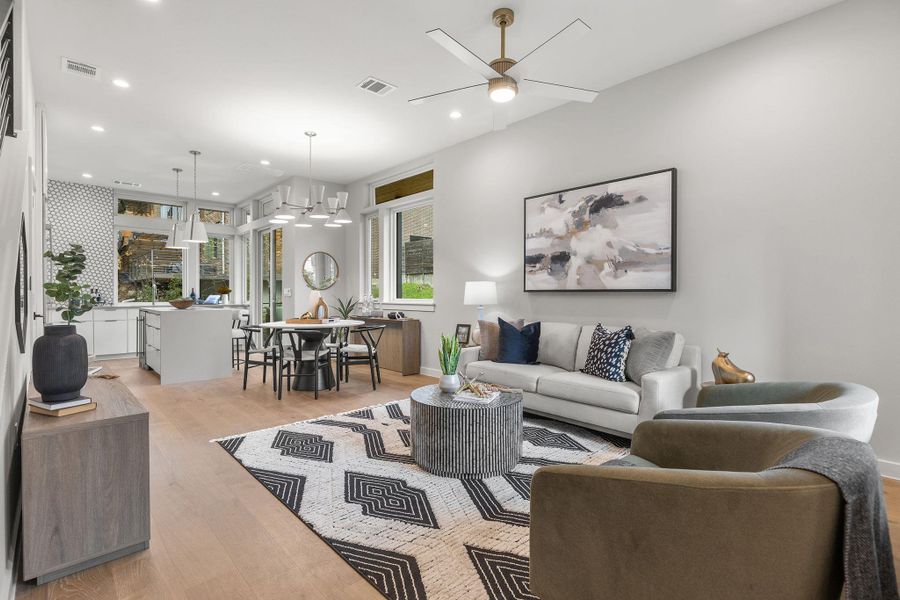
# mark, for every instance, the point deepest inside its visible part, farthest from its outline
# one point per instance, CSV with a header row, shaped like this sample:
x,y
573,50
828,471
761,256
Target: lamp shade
x,y
195,232
480,293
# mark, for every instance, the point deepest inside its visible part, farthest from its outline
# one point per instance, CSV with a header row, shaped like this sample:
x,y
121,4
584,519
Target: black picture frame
x,y
20,290
463,334
674,240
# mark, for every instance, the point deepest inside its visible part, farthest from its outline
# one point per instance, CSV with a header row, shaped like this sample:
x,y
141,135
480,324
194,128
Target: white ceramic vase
x,y
449,383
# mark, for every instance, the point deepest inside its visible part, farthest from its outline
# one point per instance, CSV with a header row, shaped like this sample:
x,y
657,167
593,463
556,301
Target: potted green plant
x,y
60,359
448,355
345,309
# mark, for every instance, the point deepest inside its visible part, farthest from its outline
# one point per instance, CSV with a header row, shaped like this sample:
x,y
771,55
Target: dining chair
x,y
239,317
365,353
252,351
304,349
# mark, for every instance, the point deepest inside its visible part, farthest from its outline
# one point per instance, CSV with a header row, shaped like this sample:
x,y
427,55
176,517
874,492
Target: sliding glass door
x,y
270,302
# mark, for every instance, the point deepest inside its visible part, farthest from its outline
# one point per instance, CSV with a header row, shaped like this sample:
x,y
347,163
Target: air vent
x,y
127,183
79,68
376,86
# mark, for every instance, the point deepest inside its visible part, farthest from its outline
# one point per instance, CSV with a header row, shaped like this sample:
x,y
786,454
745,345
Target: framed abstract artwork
x,y
613,236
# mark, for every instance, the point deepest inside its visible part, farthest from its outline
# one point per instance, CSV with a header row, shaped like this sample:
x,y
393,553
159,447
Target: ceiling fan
x,y
505,76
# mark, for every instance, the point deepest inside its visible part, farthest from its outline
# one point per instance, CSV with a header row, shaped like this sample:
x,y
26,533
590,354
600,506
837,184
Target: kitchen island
x,y
193,344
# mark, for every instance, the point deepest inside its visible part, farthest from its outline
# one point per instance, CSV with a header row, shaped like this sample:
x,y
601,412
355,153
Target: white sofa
x,y
557,388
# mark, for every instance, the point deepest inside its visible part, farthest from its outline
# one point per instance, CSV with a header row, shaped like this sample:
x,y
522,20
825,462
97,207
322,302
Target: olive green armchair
x,y
696,516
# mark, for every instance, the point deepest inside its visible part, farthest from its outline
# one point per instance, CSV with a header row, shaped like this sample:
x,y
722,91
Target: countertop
x,y
164,305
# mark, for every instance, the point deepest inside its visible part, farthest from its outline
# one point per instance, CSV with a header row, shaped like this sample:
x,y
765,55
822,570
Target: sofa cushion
x,y
519,346
584,344
523,377
587,389
489,337
608,353
652,351
558,344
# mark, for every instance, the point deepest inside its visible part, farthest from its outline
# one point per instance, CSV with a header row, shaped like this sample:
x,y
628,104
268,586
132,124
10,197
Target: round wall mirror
x,y
320,271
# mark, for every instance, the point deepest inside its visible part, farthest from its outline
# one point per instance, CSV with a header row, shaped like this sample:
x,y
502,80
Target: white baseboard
x,y
889,468
430,372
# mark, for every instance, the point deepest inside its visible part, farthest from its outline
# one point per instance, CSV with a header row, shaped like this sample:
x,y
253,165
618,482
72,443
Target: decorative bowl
x,y
182,303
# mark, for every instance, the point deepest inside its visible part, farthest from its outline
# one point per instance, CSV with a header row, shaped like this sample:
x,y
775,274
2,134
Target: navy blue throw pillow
x,y
518,346
608,352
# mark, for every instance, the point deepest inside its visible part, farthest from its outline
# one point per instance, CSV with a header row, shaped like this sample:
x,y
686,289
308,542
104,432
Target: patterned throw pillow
x,y
608,352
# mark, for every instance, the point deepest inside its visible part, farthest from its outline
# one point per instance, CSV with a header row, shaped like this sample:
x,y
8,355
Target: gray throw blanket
x,y
851,465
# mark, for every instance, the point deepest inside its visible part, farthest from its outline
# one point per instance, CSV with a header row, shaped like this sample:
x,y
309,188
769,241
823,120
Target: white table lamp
x,y
480,293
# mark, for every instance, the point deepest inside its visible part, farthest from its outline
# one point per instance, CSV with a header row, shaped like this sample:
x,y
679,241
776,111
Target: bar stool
x,y
239,317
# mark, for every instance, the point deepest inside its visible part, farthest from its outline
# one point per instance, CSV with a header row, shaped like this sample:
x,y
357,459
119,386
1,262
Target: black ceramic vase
x,y
59,363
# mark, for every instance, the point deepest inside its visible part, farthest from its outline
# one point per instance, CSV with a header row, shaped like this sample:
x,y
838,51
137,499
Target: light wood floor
x,y
217,533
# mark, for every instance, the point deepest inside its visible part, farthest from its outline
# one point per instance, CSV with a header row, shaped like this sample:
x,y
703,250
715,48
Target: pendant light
x,y
282,197
332,209
342,216
176,236
316,192
196,230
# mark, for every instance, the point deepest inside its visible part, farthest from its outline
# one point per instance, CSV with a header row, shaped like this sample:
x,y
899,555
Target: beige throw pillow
x,y
490,337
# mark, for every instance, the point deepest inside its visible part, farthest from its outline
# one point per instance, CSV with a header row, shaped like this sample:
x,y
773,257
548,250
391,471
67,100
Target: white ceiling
x,y
242,80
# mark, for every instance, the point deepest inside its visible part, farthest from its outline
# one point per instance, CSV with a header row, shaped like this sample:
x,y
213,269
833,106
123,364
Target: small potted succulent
x,y
448,355
60,359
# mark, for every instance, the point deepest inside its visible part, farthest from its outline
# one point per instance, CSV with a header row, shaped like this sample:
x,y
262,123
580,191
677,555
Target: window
x,y
215,266
244,215
247,295
373,245
414,259
142,208
147,270
214,216
401,188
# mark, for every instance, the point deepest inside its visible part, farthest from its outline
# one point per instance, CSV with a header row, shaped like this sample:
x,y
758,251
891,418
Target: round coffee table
x,y
454,438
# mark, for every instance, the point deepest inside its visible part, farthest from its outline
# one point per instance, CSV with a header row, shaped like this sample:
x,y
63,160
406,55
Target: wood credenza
x,y
400,347
85,484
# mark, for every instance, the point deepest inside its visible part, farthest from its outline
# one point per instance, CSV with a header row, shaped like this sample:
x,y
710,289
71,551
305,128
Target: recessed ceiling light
x,y
264,163
87,175
121,83
98,128
215,193
455,114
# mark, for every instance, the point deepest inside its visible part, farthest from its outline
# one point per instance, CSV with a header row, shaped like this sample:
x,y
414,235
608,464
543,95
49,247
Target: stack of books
x,y
61,409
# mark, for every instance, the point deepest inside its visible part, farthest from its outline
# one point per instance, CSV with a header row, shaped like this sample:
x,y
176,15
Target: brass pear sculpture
x,y
726,371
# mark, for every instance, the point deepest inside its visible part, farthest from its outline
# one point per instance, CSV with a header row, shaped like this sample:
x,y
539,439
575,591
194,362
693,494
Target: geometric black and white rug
x,y
411,534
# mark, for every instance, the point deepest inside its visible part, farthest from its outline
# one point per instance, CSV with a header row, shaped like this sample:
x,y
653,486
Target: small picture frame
x,y
463,334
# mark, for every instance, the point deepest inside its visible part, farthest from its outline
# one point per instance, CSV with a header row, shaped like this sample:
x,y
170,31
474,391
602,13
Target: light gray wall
x,y
787,145
301,242
17,197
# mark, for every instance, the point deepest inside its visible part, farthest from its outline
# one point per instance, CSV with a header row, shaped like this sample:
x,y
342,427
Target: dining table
x,y
307,372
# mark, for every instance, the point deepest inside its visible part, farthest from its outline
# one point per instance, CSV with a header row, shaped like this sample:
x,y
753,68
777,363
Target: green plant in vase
x,y
448,356
71,299
60,357
345,310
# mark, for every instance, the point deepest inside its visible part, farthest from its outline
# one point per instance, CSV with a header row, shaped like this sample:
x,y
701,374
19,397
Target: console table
x,y
399,349
85,484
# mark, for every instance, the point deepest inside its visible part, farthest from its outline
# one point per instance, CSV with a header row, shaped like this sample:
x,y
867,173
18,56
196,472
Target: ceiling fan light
x,y
502,89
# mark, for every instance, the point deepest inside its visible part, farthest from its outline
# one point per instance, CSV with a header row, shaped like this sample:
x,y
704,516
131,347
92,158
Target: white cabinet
x,y
86,330
110,336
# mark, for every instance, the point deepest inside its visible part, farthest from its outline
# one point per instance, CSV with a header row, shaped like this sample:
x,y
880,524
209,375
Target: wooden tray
x,y
305,321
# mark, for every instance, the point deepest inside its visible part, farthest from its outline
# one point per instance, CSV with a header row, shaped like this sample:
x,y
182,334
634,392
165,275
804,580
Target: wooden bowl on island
x,y
182,303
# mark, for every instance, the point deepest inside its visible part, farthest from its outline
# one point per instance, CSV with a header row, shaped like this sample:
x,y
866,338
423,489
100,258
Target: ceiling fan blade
x,y
422,99
462,53
567,36
501,118
557,90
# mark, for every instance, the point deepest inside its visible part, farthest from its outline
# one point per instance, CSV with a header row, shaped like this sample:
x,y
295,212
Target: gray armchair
x,y
847,408
698,516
